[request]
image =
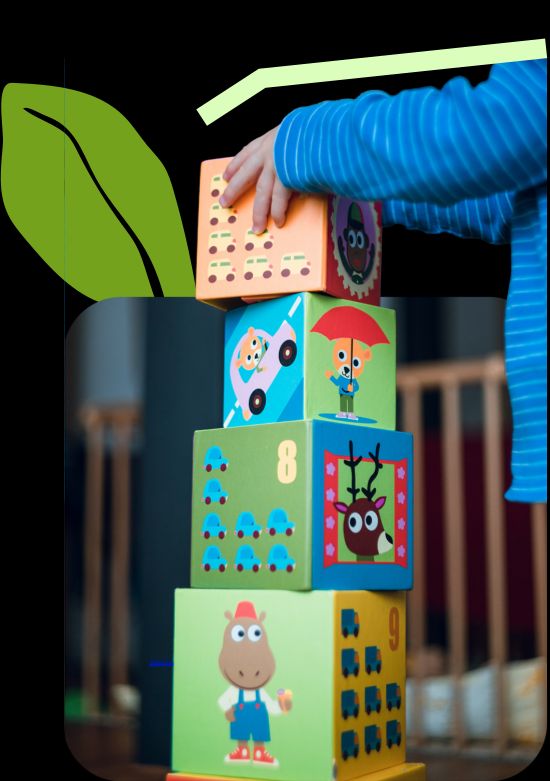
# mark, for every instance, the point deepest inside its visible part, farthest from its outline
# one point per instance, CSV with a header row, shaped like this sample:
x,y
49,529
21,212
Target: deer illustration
x,y
364,532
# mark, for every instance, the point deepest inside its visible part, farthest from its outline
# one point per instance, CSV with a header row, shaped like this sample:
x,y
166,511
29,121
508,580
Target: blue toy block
x,y
309,356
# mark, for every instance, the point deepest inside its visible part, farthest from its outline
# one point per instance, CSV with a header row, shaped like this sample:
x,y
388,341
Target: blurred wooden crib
x,y
500,706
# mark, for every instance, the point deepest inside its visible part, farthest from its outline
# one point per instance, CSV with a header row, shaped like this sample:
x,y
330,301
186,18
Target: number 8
x,y
287,467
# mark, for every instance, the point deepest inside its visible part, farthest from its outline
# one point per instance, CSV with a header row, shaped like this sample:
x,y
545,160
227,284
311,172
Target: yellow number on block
x,y
287,468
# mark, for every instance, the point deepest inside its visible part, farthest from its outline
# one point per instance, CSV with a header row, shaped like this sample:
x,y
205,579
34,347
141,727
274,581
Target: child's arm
x,y
423,145
480,218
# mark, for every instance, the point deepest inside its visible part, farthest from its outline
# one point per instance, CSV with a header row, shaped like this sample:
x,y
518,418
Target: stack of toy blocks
x,y
289,659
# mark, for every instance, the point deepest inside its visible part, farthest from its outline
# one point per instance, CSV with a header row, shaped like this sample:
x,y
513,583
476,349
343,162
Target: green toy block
x,y
302,505
309,356
262,679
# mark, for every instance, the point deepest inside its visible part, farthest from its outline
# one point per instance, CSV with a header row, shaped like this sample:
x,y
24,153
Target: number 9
x,y
394,629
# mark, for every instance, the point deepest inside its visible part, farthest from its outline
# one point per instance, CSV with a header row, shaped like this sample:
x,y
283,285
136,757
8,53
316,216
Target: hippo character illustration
x,y
247,662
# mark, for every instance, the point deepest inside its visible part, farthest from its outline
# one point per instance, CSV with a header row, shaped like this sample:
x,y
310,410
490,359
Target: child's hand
x,y
255,165
350,387
230,713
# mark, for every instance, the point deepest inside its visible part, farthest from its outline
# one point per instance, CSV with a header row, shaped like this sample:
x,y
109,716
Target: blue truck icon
x,y
393,733
372,700
213,527
393,696
213,492
350,703
247,527
350,623
214,459
213,559
278,523
350,744
350,662
246,559
373,659
373,738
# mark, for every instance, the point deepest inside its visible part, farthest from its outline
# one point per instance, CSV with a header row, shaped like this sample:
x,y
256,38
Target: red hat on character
x,y
246,610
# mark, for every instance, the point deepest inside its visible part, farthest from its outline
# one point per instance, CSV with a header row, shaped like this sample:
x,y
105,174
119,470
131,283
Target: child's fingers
x,y
240,158
279,202
262,201
244,178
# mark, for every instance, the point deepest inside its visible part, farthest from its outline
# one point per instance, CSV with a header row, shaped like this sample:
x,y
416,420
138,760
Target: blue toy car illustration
x,y
373,659
213,492
213,527
373,738
372,699
350,744
278,523
213,559
215,460
247,526
279,559
393,696
350,623
246,559
350,662
393,733
349,703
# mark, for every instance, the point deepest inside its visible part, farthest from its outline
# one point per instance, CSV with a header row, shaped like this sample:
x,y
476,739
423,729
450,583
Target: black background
x,y
158,93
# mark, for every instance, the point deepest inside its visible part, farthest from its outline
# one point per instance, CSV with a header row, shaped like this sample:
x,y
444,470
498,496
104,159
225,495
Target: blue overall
x,y
251,720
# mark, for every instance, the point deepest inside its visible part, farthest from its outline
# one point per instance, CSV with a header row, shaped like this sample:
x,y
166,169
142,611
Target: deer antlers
x,y
369,491
352,462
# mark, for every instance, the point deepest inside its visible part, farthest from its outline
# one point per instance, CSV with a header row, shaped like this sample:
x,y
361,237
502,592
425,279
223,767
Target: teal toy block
x,y
309,356
259,689
303,505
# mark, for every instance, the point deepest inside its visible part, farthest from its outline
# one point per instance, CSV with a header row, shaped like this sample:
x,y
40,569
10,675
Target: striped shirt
x,y
465,160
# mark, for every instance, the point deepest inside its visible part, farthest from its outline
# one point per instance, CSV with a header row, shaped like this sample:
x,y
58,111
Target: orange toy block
x,y
328,244
408,771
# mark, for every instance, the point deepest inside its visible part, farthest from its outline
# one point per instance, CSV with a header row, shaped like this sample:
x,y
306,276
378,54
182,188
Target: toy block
x,y
260,679
328,244
408,771
302,505
309,356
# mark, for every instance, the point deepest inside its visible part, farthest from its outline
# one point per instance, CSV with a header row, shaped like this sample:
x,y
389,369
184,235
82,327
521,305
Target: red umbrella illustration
x,y
347,322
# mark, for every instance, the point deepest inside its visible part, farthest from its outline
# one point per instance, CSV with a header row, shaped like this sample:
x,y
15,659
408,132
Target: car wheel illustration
x,y
368,710
285,272
355,632
206,535
249,246
257,401
272,567
214,221
398,705
221,535
345,632
212,278
208,467
232,218
378,747
345,714
389,706
222,567
248,275
378,708
239,567
378,668
207,500
256,534
223,467
272,532
356,753
240,533
207,567
289,532
356,672
212,250
368,669
345,672
398,740
266,274
222,500
345,755
368,749
390,744
255,568
287,352
289,567
356,712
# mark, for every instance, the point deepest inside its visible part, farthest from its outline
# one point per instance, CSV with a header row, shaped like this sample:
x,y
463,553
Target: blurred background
x,y
141,376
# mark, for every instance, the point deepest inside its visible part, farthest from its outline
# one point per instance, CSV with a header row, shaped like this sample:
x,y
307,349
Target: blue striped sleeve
x,y
479,218
424,145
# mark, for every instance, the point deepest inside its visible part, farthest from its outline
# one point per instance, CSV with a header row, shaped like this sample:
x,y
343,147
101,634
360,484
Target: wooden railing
x,y
448,379
105,428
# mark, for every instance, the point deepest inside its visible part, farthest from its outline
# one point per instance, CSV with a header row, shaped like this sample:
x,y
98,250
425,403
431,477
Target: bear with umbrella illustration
x,y
354,332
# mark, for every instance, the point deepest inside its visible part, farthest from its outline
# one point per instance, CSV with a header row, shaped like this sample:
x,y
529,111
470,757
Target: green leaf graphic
x,y
89,195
